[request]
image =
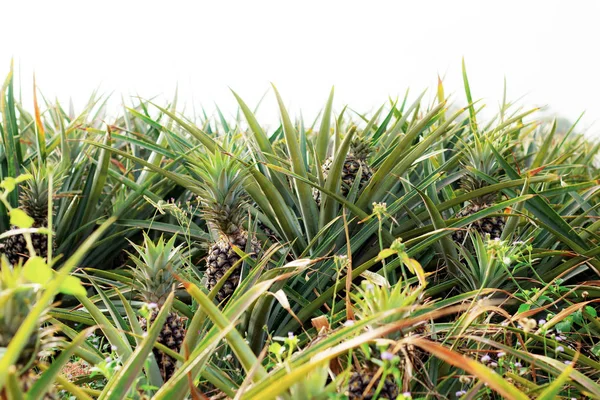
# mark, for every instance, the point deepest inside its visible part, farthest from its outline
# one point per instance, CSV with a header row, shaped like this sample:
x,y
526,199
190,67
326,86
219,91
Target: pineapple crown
x,y
154,268
361,147
35,191
222,194
376,296
478,156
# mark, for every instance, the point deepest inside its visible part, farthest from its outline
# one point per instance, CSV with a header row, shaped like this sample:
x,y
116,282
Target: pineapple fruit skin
x,y
352,165
15,247
221,257
492,225
171,336
359,381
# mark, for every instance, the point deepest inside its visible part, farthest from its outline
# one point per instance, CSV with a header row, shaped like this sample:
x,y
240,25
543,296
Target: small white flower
x,y
506,260
501,354
152,306
559,349
542,322
108,359
493,364
568,362
518,364
349,322
407,395
386,355
460,393
485,359
291,335
113,348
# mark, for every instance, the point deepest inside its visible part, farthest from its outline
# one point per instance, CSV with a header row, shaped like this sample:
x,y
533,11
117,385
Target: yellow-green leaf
x,y
37,271
8,183
23,178
20,218
385,253
72,286
415,267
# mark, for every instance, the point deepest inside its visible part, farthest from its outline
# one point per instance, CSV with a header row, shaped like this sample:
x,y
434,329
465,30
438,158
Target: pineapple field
x,y
428,249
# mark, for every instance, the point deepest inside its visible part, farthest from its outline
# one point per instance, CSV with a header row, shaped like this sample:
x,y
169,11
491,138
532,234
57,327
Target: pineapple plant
x,y
356,160
19,296
34,202
154,278
373,297
223,203
479,157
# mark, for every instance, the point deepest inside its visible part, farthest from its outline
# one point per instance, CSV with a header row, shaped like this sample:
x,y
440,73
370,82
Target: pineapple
x,y
154,279
374,297
356,160
21,296
34,201
360,380
223,202
479,156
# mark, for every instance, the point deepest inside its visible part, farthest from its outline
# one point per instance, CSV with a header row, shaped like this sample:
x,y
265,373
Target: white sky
x,y
548,51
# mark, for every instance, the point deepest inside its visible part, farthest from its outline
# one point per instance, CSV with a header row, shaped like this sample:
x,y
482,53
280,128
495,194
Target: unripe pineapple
x,y
360,380
20,297
372,298
223,202
479,157
356,160
154,279
34,201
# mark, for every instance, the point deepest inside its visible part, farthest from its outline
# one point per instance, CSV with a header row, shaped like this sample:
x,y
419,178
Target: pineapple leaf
x,y
323,135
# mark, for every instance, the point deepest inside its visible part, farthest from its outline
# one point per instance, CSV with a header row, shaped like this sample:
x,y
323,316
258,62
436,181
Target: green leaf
x,y
323,135
524,307
118,387
48,377
20,218
447,245
37,271
553,390
472,113
308,207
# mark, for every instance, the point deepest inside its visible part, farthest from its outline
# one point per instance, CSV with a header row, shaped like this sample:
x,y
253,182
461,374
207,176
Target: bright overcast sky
x,y
369,50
